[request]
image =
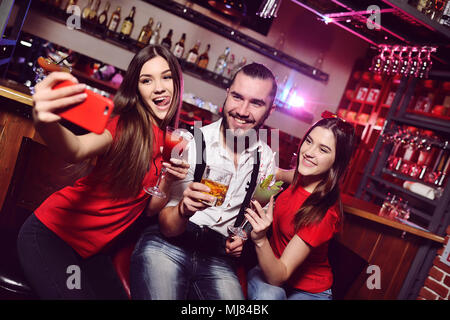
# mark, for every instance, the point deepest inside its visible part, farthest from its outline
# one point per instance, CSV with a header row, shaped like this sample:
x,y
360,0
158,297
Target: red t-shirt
x,y
85,215
314,274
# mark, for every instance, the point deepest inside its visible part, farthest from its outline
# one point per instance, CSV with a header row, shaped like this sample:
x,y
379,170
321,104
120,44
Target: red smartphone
x,y
92,114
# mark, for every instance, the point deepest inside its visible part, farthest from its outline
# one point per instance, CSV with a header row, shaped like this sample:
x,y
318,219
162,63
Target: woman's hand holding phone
x,y
61,96
48,101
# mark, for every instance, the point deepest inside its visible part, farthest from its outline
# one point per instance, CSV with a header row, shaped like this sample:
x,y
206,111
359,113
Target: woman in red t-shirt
x,y
60,245
293,264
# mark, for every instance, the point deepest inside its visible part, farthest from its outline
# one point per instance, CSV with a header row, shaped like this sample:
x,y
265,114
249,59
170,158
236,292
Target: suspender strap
x,y
200,166
250,189
201,155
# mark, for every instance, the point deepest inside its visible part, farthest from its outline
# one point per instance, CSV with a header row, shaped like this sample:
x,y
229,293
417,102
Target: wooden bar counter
x,y
382,242
15,123
388,244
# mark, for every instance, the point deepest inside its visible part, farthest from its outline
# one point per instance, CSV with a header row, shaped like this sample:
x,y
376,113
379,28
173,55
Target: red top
x,y
314,274
86,217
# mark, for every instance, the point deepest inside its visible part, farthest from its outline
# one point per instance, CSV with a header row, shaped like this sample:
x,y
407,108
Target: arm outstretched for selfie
x,y
60,140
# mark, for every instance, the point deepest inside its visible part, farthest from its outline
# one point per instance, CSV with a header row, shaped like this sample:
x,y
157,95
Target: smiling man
x,y
191,254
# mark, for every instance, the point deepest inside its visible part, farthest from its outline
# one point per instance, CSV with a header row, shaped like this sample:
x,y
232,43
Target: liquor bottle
x,y
429,9
154,39
94,10
445,172
421,5
70,3
439,6
237,67
103,17
127,25
229,67
114,21
178,51
445,17
167,41
203,59
145,34
222,61
87,10
193,53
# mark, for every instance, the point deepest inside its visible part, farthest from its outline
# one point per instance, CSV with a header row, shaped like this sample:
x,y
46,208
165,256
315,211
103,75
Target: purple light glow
x,y
296,101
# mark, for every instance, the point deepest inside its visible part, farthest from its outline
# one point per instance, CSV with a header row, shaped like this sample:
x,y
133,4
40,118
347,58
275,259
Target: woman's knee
x,y
259,289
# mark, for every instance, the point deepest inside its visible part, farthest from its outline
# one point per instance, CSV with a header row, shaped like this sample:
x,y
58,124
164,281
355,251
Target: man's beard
x,y
240,132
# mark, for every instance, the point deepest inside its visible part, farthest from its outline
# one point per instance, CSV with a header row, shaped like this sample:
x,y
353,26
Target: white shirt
x,y
219,218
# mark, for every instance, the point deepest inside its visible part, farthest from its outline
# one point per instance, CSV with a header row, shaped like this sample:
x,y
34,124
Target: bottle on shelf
x,y
229,67
404,211
178,50
444,174
87,10
114,21
203,59
384,210
68,4
238,66
445,16
432,8
94,11
193,53
145,34
421,4
439,7
167,41
221,62
127,25
103,17
154,39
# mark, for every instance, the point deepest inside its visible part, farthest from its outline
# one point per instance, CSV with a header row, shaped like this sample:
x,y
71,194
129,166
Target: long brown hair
x,y
327,192
128,158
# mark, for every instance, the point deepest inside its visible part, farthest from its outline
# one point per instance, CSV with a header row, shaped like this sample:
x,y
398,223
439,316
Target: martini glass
x,y
262,195
175,142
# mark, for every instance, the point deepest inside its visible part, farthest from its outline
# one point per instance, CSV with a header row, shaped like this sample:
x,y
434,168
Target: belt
x,y
201,239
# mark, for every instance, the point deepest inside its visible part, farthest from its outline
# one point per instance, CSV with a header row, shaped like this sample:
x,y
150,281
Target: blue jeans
x,y
259,289
162,270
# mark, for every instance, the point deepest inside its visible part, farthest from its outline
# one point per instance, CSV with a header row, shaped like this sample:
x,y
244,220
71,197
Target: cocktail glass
x,y
262,194
175,142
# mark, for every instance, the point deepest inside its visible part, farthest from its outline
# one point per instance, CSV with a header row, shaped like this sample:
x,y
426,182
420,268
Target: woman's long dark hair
x,y
128,158
327,192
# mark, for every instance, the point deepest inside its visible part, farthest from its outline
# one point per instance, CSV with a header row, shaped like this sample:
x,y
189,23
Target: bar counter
x,y
389,244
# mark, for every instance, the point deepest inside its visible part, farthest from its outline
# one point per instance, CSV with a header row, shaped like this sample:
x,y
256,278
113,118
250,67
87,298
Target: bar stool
x,y
13,284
